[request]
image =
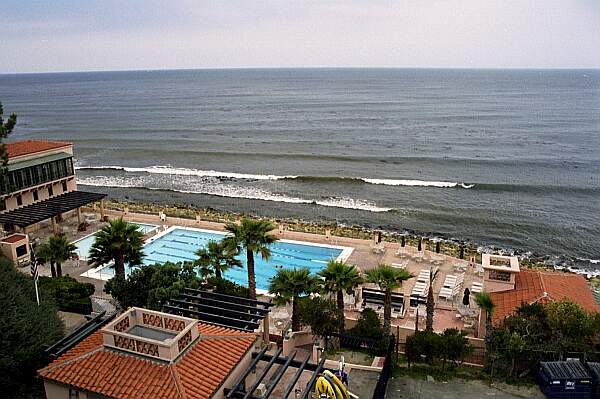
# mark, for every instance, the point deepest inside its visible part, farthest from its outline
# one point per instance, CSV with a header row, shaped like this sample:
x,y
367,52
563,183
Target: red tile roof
x,y
26,147
14,238
197,374
537,286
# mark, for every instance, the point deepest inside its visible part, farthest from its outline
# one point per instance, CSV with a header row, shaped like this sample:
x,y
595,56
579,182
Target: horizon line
x,y
295,68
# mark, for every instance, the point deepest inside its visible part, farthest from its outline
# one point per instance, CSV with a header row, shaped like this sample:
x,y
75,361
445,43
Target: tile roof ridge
x,y
53,366
539,298
541,277
236,336
178,384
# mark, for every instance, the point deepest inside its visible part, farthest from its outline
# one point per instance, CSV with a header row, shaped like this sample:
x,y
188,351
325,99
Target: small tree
x,y
338,278
319,314
454,345
570,326
368,325
423,344
119,242
288,286
6,128
56,251
485,303
217,258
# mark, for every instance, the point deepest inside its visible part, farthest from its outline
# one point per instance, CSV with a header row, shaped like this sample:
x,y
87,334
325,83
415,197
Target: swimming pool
x,y
178,244
83,244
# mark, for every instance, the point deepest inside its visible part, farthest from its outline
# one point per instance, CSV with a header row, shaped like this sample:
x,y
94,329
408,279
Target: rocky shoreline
x,y
448,246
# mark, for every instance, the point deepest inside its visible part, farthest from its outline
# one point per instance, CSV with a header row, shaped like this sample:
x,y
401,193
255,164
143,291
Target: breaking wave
x,y
168,170
232,192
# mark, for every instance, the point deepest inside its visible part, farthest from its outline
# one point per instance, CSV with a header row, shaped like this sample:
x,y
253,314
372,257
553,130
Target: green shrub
x,y
451,345
367,326
227,287
26,330
70,295
320,314
423,345
454,345
150,286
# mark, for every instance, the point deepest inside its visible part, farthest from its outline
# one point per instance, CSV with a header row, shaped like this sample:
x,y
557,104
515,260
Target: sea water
x,y
500,157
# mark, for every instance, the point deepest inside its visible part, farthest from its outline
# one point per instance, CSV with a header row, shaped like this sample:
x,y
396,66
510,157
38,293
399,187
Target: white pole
x,y
37,271
37,293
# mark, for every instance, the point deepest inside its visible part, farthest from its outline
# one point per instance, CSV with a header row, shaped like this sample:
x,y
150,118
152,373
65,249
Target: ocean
x,y
502,158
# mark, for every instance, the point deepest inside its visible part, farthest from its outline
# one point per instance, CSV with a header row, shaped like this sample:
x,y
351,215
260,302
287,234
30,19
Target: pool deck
x,y
364,256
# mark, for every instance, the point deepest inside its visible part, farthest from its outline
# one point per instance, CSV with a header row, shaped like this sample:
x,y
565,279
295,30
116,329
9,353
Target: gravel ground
x,y
409,388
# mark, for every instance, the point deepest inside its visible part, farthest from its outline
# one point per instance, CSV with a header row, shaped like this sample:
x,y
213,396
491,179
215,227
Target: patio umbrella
x,y
420,247
437,247
462,251
403,241
467,297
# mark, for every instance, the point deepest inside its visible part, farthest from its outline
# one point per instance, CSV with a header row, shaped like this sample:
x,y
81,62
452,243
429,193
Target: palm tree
x,y
253,235
485,303
119,242
388,279
217,258
430,303
338,277
289,285
56,251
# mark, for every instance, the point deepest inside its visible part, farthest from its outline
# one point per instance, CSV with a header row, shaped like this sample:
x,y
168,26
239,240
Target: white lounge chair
x,y
424,275
476,287
401,265
402,252
446,293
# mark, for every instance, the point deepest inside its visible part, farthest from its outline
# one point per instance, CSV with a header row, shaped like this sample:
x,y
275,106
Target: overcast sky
x,y
77,35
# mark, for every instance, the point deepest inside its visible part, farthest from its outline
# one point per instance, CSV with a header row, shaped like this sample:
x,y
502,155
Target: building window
x,y
64,186
21,250
36,197
73,393
20,179
50,191
19,200
499,276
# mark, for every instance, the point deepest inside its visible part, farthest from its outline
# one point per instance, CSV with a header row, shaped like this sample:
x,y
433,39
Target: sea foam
x,y
222,190
169,170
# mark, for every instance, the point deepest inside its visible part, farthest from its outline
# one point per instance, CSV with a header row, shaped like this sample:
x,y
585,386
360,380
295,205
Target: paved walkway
x,y
362,383
410,388
72,321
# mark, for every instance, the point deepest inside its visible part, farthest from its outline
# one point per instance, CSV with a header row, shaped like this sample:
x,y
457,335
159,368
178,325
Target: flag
x,y
34,263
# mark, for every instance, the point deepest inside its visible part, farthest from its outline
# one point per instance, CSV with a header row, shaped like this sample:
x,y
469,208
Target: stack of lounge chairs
x,y
419,292
452,286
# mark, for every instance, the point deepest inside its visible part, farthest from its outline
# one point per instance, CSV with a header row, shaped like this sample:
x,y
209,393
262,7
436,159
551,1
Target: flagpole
x,y
34,271
37,293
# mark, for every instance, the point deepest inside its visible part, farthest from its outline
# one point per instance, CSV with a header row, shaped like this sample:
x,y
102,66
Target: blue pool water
x,y
83,245
179,245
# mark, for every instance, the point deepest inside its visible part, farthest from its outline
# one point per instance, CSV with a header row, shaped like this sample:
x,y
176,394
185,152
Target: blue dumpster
x,y
595,371
565,380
